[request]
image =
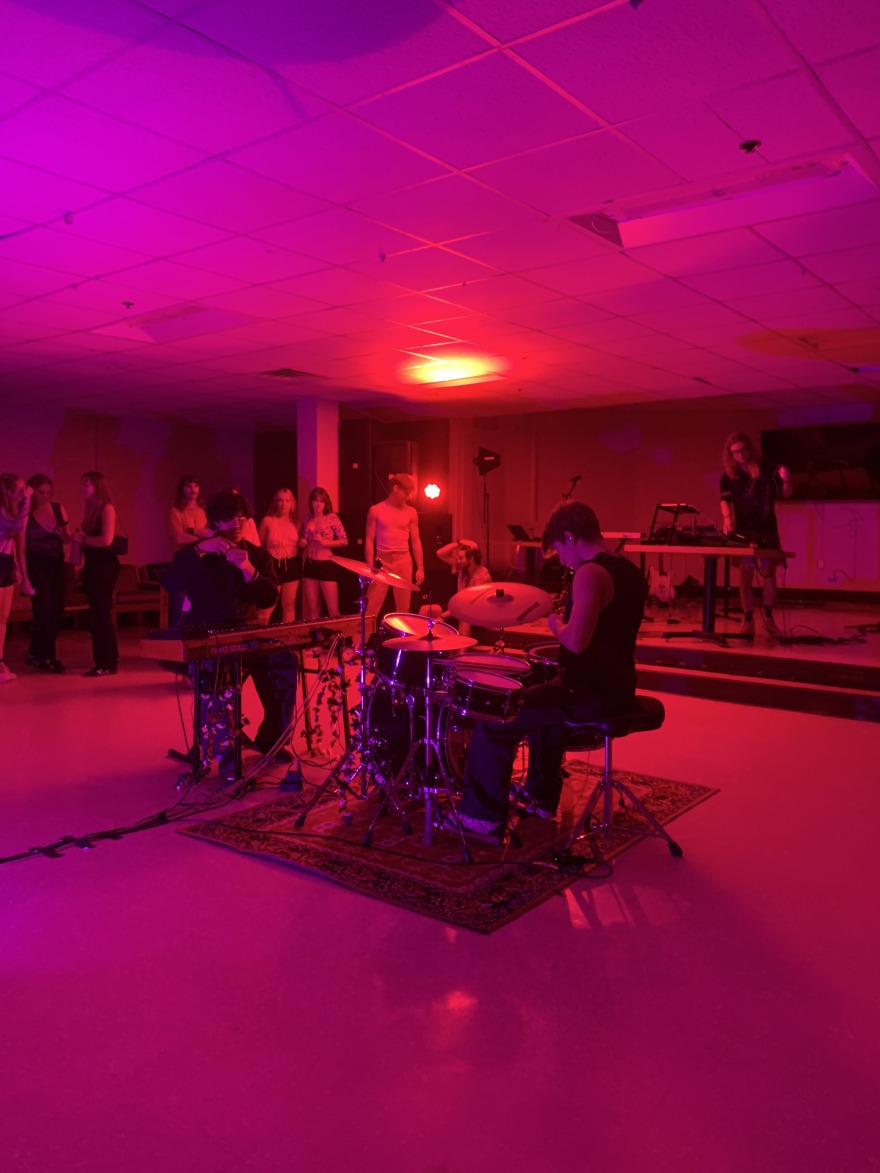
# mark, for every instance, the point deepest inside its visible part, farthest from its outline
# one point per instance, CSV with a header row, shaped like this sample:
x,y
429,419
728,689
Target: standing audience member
x,y
392,528
15,500
279,535
323,533
94,543
750,487
46,535
187,523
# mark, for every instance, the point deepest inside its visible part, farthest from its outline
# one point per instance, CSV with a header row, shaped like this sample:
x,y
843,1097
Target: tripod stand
x,y
357,761
435,779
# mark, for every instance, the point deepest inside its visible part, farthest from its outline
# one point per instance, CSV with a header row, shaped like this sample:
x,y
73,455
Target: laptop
x,y
520,533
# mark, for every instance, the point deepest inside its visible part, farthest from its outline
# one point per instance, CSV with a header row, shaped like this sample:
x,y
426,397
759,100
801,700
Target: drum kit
x,y
427,689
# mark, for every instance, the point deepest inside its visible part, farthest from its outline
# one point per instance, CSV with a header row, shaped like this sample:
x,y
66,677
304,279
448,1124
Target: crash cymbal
x,y
501,604
364,570
430,643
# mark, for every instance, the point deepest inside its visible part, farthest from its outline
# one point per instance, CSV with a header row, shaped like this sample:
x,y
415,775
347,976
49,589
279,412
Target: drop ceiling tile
x,y
128,224
626,60
213,99
336,320
14,92
863,293
30,280
693,317
607,330
59,249
821,30
179,281
508,21
46,46
445,209
765,306
107,296
263,301
846,265
82,144
41,312
13,331
413,309
578,176
840,228
36,196
642,299
736,248
855,84
337,286
372,48
225,196
284,333
847,320
339,237
751,282
496,293
485,110
691,140
563,311
542,242
788,114
338,158
613,271
249,260
424,268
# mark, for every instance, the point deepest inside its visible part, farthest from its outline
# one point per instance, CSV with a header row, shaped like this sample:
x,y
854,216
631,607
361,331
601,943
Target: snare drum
x,y
492,662
544,659
398,665
485,696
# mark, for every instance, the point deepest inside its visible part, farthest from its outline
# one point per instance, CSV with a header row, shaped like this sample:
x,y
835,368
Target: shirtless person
x,y
391,526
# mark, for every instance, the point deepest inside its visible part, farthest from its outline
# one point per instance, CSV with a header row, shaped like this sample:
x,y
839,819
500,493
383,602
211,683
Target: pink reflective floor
x,y
170,1005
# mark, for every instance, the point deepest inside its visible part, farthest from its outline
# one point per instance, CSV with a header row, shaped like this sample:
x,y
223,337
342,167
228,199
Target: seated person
x,y
226,579
597,675
467,564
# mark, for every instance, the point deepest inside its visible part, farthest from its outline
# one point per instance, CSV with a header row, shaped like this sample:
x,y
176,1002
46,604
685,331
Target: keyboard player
x,y
225,578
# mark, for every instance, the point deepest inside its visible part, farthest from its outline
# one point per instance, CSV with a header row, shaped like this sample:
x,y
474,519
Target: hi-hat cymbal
x,y
501,604
430,643
364,570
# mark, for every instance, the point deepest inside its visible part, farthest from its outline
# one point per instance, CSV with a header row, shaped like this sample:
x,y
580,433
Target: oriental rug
x,y
501,883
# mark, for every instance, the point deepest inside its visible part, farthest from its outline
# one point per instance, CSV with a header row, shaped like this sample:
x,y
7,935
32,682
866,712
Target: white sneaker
x,y
6,673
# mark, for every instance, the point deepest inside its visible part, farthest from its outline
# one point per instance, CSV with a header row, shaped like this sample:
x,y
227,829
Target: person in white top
x,y
15,503
323,533
280,534
392,538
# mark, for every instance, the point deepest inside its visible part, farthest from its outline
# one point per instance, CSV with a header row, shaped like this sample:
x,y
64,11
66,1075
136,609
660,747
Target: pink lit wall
x,y
142,460
630,459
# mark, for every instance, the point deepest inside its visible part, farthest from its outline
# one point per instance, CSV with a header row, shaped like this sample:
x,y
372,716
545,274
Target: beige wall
x,y
142,459
630,459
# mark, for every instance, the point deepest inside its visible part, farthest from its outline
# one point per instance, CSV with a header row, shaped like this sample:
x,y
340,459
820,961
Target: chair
x,y
647,713
131,596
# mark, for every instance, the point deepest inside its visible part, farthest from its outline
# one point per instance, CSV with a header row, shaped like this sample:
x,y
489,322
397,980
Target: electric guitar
x,y
660,583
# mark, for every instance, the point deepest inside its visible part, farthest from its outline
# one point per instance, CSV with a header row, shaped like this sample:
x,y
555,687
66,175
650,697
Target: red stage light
x,y
432,492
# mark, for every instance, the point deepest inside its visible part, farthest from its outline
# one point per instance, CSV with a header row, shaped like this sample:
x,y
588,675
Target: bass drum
x,y
399,665
388,722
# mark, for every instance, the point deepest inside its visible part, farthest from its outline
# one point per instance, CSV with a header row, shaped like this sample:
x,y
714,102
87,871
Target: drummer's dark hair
x,y
575,518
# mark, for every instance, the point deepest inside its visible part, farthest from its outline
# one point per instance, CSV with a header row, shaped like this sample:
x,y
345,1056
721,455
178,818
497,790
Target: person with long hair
x,y
15,501
93,542
750,487
323,533
187,524
279,535
46,536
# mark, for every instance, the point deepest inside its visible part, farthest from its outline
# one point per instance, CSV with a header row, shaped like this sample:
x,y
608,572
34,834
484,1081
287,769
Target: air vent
x,y
288,373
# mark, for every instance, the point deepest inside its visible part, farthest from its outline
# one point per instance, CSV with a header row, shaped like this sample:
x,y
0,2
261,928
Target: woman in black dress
x,y
100,570
46,536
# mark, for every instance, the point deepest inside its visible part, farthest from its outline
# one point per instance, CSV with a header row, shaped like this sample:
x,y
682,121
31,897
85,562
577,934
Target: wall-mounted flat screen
x,y
832,462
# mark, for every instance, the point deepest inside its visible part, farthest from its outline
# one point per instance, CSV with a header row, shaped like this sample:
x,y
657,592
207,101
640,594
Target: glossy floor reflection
x,y
171,1005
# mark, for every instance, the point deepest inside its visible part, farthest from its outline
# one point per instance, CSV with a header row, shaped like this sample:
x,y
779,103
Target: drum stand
x,y
359,753
435,780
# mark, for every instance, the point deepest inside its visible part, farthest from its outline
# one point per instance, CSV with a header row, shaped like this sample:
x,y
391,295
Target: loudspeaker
x,y
355,466
435,530
389,457
354,524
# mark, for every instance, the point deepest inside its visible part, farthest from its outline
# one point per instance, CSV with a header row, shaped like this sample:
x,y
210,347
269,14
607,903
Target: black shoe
x,y
53,666
31,660
101,672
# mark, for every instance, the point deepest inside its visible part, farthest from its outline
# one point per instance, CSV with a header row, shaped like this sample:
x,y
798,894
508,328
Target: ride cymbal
x,y
501,604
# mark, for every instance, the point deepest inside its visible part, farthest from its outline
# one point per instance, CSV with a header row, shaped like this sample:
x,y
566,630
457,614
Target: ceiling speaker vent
x,y
288,373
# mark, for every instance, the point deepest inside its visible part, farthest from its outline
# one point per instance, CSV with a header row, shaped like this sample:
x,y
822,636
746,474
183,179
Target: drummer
x,y
467,563
597,638
392,538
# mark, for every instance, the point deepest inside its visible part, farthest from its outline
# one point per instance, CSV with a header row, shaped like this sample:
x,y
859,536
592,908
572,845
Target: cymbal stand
x,y
358,760
435,780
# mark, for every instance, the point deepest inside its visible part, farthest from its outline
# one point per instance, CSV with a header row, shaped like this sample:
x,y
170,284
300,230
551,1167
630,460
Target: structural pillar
x,y
317,449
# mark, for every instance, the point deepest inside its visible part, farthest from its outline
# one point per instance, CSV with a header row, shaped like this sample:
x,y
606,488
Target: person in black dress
x,y
227,579
93,542
46,537
597,675
750,487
